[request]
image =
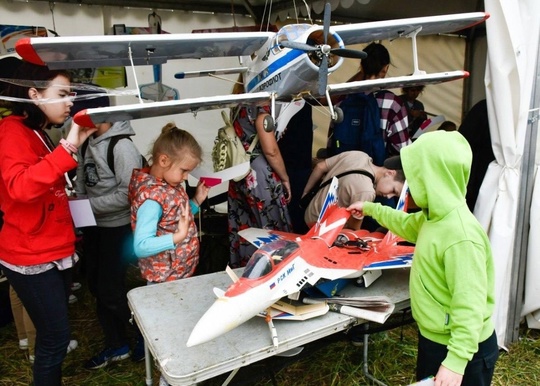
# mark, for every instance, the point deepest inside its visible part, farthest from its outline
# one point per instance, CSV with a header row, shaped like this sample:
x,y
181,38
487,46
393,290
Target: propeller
x,y
324,50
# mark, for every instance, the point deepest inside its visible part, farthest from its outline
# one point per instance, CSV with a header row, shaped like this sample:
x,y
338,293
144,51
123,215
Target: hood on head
x,y
438,166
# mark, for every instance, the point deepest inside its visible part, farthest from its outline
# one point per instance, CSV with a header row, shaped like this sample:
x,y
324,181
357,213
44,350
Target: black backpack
x,y
110,150
360,128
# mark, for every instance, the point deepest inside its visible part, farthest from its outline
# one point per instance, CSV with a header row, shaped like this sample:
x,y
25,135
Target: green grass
x,y
391,359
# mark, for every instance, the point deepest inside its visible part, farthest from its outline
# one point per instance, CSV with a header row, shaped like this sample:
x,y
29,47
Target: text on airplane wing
x,y
116,50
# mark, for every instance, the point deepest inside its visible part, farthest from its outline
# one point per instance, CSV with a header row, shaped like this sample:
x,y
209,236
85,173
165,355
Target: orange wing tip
x,y
83,119
24,48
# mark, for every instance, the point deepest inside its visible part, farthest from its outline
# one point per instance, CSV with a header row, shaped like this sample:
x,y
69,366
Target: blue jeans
x,y
45,297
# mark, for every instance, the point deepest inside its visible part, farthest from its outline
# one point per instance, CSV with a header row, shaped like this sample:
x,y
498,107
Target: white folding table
x,y
166,313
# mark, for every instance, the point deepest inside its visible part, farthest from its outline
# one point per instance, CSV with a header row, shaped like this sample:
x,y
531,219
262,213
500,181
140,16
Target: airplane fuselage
x,y
289,72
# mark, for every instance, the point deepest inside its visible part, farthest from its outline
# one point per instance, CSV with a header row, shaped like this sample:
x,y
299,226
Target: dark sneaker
x,y
137,354
106,356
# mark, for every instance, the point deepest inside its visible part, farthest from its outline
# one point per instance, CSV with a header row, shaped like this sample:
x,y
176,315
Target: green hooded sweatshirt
x,y
452,275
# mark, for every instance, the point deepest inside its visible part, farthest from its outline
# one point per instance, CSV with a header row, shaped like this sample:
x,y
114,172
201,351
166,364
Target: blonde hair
x,y
176,143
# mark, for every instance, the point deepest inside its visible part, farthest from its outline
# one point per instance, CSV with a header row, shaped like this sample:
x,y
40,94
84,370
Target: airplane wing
x,y
91,117
124,50
392,29
395,82
258,237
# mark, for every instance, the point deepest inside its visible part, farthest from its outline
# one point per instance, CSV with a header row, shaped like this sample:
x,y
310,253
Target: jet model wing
x,y
393,29
258,237
125,50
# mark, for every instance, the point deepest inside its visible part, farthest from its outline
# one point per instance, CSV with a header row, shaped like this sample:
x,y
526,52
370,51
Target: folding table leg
x,y
365,358
230,377
148,365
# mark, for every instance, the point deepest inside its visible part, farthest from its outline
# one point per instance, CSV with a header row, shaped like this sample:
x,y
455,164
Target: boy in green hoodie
x,y
452,275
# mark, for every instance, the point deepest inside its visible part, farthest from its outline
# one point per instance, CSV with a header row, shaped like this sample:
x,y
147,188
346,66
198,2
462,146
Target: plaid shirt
x,y
394,120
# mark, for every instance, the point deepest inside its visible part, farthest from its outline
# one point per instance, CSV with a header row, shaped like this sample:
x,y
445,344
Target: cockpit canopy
x,y
267,257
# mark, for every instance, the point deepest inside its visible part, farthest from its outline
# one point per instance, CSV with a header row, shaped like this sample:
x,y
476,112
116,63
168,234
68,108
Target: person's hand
x,y
419,114
287,191
77,134
183,225
201,193
357,210
446,377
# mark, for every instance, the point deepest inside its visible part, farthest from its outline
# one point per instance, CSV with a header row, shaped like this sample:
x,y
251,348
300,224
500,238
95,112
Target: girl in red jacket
x,y
37,241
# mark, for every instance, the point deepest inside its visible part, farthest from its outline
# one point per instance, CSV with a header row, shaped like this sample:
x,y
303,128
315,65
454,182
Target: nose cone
x,y
225,314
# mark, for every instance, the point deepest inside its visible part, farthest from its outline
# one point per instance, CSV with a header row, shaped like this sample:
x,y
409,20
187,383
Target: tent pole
x,y
519,259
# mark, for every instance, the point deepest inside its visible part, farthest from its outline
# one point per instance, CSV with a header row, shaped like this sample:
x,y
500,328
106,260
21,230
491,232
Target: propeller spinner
x,y
324,50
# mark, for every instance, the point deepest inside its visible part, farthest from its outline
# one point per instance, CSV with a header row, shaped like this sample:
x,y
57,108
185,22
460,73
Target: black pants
x,y
106,253
479,370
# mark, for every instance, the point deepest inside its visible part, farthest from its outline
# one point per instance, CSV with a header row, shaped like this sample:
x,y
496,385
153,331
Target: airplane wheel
x,y
339,115
268,124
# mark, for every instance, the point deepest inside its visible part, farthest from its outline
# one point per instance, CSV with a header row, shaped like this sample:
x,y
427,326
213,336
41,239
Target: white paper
x,y
81,212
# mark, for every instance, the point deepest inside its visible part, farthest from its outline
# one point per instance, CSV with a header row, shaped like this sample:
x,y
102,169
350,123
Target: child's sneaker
x,y
23,344
73,344
106,356
72,299
75,286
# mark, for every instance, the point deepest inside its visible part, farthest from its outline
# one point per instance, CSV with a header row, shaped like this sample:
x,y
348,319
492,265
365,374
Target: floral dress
x,y
256,201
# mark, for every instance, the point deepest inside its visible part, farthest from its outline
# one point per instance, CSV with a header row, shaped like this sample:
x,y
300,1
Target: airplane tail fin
x,y
391,238
332,218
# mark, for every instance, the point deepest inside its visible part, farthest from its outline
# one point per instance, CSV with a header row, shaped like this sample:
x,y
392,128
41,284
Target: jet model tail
x,y
331,219
391,238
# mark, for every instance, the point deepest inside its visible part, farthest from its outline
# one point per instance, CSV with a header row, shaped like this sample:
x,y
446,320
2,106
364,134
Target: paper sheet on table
x,y
81,212
215,178
429,125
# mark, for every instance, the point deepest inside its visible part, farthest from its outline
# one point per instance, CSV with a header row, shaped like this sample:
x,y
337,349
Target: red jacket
x,y
37,222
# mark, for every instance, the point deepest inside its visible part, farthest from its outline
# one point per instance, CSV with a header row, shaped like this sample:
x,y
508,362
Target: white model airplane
x,y
285,263
282,66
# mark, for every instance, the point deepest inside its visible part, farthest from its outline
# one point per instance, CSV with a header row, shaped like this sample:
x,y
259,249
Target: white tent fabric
x,y
512,33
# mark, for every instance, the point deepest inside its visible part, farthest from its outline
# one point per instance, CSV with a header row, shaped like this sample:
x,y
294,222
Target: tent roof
x,y
357,12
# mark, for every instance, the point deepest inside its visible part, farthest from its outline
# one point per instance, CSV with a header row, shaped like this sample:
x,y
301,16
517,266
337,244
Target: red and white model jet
x,y
285,263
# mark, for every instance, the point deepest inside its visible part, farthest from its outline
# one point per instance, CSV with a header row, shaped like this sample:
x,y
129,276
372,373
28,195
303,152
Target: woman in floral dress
x,y
260,199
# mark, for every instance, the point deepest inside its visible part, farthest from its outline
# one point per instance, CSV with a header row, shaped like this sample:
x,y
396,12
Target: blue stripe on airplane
x,y
403,260
274,67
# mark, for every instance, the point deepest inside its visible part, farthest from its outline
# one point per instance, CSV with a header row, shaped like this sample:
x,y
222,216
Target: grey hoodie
x,y
108,192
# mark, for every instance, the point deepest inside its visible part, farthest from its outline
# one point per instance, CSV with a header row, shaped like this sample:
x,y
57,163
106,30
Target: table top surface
x,y
166,314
